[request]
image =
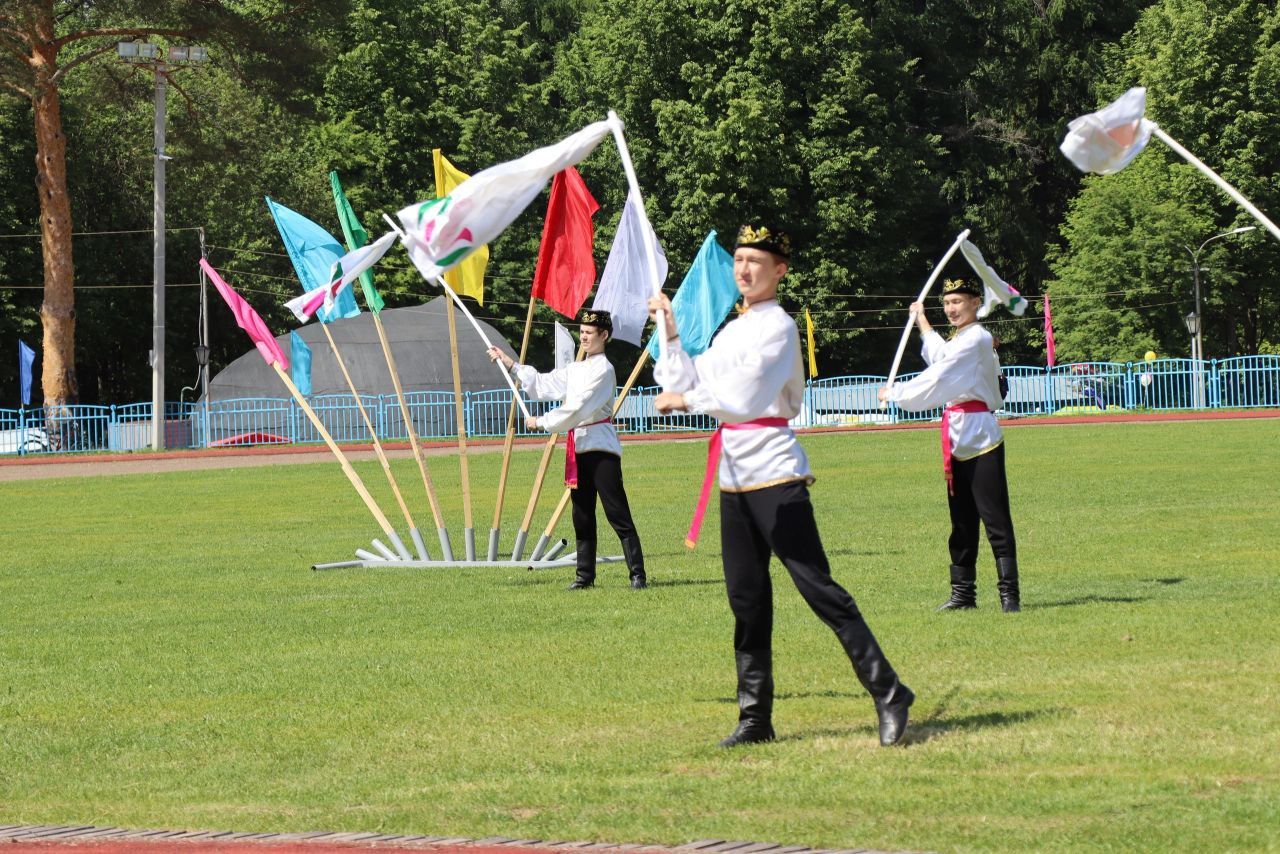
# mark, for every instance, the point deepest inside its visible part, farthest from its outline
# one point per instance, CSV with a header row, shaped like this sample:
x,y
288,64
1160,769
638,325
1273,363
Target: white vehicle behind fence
x,y
23,441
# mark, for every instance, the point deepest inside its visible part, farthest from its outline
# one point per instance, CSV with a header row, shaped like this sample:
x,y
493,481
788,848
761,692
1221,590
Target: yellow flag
x,y
813,350
468,277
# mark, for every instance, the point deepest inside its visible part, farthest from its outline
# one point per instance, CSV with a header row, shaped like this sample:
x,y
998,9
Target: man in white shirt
x,y
963,375
751,379
593,454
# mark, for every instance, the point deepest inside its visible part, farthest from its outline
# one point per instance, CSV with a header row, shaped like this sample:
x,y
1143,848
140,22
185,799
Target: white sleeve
x,y
933,347
739,384
674,371
587,397
947,378
549,386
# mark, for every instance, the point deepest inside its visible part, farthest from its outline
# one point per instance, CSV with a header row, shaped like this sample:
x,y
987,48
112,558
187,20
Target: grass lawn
x,y
168,659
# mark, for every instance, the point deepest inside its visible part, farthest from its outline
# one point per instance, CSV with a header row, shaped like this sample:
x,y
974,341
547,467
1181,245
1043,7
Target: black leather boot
x,y
586,576
964,589
755,699
892,698
634,556
1007,584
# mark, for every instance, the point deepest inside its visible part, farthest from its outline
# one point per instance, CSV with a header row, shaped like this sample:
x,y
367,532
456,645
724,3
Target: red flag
x,y
566,267
1049,346
248,319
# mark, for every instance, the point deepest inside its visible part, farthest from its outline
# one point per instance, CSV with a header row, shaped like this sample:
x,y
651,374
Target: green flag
x,y
356,237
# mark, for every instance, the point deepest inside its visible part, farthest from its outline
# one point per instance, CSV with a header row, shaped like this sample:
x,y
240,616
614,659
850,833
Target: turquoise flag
x,y
356,237
705,297
300,366
313,252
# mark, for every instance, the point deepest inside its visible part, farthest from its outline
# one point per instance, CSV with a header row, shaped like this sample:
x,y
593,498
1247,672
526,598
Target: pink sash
x,y
571,454
967,406
713,463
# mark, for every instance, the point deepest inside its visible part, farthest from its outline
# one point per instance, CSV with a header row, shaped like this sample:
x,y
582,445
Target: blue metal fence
x,y
1080,388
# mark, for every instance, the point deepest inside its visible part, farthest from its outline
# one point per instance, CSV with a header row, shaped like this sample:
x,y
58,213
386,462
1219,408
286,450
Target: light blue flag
x,y
705,297
300,363
26,358
313,252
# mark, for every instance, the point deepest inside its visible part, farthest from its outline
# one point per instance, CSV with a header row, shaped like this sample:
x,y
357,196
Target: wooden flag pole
x,y
351,474
518,549
445,546
469,531
924,292
564,499
495,530
377,446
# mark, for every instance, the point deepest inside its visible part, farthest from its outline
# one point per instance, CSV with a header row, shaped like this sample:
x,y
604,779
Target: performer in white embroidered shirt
x,y
963,376
593,454
751,379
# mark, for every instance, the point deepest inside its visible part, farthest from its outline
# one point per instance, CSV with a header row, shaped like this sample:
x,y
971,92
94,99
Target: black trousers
x,y
981,494
600,473
777,520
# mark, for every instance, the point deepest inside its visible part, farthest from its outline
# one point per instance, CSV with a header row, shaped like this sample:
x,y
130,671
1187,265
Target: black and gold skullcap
x,y
767,237
961,286
597,318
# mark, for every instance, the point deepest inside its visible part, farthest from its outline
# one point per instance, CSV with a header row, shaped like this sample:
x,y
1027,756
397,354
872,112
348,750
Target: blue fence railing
x,y
1086,387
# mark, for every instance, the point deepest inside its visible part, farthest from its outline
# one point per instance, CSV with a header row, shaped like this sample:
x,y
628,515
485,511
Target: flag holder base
x,y
370,561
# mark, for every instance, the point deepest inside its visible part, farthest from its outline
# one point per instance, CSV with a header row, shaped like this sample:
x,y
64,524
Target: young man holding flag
x,y
593,454
963,376
751,378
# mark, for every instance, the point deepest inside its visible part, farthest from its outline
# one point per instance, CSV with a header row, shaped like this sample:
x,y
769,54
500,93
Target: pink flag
x,y
1050,348
248,319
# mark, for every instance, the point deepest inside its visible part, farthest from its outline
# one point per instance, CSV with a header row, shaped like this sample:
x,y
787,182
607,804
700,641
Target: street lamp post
x,y
178,55
1195,321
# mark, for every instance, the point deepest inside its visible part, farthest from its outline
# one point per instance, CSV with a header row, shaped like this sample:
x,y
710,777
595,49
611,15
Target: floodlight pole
x,y
157,266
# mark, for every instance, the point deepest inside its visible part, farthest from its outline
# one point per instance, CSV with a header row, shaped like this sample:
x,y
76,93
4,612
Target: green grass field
x,y
168,659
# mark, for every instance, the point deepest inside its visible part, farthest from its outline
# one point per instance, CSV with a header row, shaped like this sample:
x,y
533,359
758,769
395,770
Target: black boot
x,y
964,589
755,699
877,675
635,562
1007,584
586,576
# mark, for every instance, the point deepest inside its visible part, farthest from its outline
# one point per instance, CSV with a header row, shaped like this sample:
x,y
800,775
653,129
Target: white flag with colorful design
x,y
345,271
441,232
1106,141
997,291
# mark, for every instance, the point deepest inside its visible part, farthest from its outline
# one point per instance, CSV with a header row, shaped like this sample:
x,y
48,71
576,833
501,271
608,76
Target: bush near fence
x,y
1084,387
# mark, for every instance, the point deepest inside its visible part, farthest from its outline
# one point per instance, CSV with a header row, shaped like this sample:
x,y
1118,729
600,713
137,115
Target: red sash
x,y
571,454
713,463
967,406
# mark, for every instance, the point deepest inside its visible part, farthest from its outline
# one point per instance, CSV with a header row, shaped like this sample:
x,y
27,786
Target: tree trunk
x,y
58,311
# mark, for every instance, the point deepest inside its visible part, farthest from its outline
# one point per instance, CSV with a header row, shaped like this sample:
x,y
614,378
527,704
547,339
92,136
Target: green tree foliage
x,y
1211,71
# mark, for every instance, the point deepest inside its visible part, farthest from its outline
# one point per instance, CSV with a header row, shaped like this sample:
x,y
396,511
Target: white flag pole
x,y
924,292
1215,178
460,304
651,252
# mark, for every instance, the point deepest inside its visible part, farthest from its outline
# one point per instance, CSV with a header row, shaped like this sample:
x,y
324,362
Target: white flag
x,y
566,350
345,271
625,287
441,232
997,290
1105,141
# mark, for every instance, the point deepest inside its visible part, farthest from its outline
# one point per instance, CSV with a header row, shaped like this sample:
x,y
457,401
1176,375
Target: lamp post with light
x,y
162,63
1195,320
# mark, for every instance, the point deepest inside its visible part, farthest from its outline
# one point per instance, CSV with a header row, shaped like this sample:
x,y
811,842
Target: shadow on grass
x,y
1091,599
1165,581
863,552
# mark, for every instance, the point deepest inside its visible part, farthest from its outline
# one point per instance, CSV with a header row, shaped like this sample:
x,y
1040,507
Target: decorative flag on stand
x,y
998,292
565,348
1107,141
624,285
346,270
301,369
247,319
356,237
705,298
566,266
1050,347
466,279
442,232
26,358
813,350
313,252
